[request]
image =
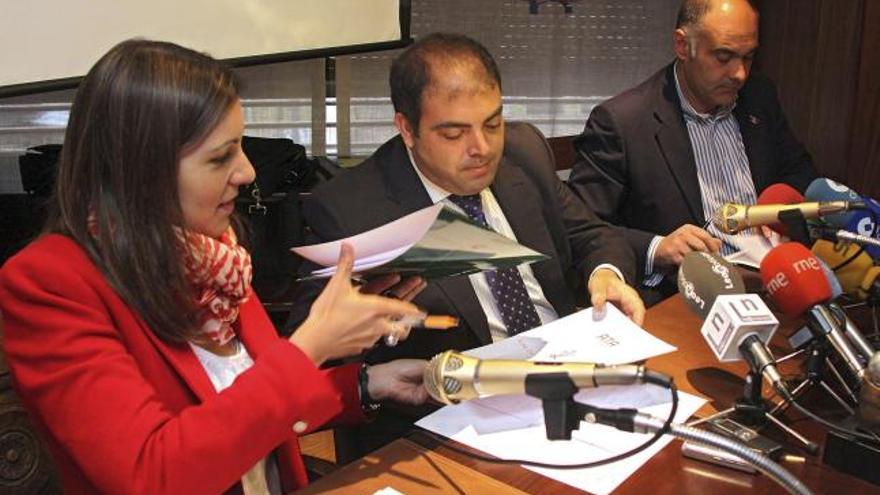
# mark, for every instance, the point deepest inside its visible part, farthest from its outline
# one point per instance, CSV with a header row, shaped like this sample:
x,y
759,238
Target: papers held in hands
x,y
433,242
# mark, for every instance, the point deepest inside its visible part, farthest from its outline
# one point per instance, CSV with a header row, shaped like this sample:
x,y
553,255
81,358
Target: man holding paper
x,y
455,148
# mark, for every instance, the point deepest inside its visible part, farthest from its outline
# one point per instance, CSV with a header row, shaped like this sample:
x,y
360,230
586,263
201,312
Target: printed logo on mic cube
x,y
734,317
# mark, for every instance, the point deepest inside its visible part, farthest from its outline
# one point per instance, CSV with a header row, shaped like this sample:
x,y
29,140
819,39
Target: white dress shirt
x,y
496,220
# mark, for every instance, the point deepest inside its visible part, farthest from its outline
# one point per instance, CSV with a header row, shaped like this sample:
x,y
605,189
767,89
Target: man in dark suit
x,y
659,159
455,148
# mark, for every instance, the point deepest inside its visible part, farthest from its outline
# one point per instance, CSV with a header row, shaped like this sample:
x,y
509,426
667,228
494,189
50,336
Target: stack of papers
x,y
512,427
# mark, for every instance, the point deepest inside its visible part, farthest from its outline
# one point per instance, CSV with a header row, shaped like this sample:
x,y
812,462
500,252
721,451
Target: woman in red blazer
x,y
130,328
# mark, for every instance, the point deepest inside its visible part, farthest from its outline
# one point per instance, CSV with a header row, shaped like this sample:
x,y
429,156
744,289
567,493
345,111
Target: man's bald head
x,y
440,62
715,44
692,12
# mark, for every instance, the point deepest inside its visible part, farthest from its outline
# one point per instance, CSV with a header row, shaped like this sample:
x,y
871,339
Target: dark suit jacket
x,y
541,210
636,167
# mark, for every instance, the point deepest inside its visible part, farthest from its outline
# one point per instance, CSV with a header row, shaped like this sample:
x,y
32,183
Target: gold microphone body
x,y
451,377
732,217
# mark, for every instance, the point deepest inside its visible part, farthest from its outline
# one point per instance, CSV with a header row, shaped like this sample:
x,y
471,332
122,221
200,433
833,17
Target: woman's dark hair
x,y
143,106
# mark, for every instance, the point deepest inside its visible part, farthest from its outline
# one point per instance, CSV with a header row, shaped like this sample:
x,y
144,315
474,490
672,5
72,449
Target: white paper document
x,y
585,336
433,242
752,249
512,426
377,245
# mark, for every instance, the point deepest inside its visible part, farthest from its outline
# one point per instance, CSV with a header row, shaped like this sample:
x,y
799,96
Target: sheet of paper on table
x,y
583,336
512,427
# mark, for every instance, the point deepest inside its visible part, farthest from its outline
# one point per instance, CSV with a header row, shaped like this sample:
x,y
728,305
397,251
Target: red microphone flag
x,y
794,278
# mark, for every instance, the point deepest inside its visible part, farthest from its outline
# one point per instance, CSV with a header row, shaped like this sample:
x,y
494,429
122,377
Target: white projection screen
x,y
50,44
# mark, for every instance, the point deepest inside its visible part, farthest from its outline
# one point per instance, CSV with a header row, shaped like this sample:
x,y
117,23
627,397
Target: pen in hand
x,y
432,322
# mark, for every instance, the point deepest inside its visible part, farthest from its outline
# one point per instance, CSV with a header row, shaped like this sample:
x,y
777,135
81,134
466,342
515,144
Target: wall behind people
x,y
555,66
823,56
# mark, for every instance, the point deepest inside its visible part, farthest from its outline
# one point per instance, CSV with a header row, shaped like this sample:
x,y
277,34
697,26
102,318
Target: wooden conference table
x,y
420,464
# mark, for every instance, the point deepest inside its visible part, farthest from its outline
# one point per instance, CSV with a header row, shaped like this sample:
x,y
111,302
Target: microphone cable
x,y
831,426
667,425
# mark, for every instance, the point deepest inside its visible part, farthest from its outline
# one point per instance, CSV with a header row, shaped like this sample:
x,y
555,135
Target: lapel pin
x,y
754,120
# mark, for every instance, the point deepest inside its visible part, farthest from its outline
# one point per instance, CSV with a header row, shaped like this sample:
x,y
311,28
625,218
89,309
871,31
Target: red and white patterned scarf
x,y
220,273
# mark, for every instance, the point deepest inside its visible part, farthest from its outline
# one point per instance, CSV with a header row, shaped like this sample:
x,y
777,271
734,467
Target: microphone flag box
x,y
734,317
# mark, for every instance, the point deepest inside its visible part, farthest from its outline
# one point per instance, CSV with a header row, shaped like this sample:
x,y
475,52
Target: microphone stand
x,y
753,410
817,362
561,413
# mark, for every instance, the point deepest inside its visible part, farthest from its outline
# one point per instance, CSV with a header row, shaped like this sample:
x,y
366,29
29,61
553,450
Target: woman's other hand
x,y
399,380
344,322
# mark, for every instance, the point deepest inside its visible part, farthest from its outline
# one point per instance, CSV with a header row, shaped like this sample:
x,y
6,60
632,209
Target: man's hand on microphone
x,y
605,286
399,381
682,241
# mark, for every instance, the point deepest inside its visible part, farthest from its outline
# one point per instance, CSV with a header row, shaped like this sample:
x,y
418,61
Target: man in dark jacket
x,y
659,159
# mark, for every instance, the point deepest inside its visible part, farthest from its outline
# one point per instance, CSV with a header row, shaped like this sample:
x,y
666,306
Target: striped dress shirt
x,y
722,170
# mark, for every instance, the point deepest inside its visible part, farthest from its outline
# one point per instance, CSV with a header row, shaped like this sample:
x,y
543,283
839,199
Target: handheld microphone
x,y
864,223
794,279
709,273
824,189
732,217
862,346
452,377
737,325
834,234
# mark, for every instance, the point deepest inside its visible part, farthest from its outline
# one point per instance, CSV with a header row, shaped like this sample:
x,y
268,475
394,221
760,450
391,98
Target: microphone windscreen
x,y
864,222
704,276
823,189
794,279
849,273
779,194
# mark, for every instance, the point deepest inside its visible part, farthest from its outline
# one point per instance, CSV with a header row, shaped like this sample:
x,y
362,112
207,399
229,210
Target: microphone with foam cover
x,y
865,223
824,189
855,271
858,226
780,194
452,377
795,281
704,276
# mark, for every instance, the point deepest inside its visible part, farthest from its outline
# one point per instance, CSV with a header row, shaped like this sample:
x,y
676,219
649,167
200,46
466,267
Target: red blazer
x,y
126,412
